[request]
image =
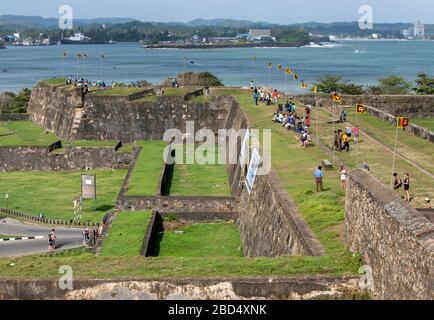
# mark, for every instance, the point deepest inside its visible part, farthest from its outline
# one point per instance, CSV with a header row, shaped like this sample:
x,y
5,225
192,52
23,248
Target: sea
x,y
362,62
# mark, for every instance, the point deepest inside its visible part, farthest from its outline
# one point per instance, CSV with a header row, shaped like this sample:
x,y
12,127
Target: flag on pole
x,y
303,85
360,108
270,65
295,76
315,89
288,71
336,98
279,67
402,122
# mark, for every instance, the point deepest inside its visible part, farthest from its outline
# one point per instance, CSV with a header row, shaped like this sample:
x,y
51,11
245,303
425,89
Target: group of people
x,y
263,96
342,138
398,183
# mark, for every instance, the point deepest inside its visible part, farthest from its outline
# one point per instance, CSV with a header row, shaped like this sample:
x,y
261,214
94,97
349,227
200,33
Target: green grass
x,y
202,240
323,212
5,236
52,193
427,123
380,159
168,92
24,133
200,179
119,91
126,234
88,266
201,99
144,179
56,81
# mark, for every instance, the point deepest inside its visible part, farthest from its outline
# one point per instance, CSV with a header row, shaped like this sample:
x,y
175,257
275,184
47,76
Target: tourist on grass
x,y
343,174
318,174
428,203
349,131
275,96
356,134
365,166
343,117
346,142
406,183
340,139
256,98
397,182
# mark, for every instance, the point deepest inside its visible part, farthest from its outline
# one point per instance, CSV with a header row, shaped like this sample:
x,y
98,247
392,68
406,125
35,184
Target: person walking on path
x,y
343,174
346,141
318,174
256,98
397,182
52,240
406,183
356,134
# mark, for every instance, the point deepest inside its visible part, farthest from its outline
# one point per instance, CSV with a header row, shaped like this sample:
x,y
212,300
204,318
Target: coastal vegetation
x,y
392,85
15,103
193,79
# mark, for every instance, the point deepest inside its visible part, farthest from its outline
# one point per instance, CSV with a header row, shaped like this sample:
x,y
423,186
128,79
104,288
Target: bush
x,y
15,103
425,84
393,85
193,79
332,83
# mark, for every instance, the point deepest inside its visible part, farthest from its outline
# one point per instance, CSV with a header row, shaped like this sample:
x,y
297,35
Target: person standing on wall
x,y
397,182
318,174
406,183
52,240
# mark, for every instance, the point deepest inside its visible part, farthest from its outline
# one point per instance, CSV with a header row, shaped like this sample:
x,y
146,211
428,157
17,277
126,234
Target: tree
x,y
394,85
332,83
19,102
425,84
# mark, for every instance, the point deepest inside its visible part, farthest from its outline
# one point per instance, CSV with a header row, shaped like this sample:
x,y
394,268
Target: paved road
x,y
66,238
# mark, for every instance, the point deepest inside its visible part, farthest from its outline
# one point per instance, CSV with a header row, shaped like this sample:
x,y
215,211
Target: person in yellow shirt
x,y
346,141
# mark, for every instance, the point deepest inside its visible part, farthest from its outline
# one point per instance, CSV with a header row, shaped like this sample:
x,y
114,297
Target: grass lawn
x,y
168,92
24,133
119,91
202,240
5,236
380,160
126,234
201,99
427,123
200,179
145,176
56,81
52,193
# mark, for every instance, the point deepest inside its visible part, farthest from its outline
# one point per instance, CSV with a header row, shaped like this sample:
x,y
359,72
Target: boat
x,y
79,38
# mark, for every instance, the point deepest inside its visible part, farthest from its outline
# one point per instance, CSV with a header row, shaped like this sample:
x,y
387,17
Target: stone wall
x,y
231,288
393,239
72,158
118,118
415,106
53,108
176,204
270,223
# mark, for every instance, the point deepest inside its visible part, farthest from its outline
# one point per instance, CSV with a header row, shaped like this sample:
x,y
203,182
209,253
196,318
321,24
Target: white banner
x,y
255,161
245,149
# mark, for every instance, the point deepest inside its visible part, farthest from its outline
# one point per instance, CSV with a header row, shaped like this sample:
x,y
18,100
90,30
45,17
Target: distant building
x,y
419,30
259,34
376,36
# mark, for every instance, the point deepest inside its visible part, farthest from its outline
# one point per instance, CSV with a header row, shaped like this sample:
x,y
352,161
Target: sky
x,y
276,11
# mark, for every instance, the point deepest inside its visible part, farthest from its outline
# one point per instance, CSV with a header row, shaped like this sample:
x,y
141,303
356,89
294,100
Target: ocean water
x,y
362,62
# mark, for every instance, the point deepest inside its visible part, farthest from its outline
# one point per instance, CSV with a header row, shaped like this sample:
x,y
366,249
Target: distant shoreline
x,y
225,46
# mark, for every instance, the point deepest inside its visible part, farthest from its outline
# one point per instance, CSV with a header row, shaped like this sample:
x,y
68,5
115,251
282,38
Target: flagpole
x,y
394,154
317,116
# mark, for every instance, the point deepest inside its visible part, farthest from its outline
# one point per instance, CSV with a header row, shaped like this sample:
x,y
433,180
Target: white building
x,y
419,30
259,34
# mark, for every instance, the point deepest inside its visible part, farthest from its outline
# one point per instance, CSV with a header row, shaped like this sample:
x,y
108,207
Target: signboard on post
x,y
88,186
255,161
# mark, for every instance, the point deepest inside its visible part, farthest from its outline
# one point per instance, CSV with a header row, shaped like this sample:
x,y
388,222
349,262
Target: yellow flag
x,y
295,76
270,65
315,89
279,67
288,71
336,98
303,84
